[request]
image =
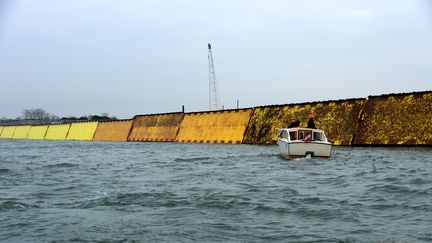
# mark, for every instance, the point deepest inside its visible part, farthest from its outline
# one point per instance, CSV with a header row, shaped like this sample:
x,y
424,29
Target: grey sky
x,y
80,57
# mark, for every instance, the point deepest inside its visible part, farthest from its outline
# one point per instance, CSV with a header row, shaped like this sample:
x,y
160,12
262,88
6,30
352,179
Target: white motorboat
x,y
300,142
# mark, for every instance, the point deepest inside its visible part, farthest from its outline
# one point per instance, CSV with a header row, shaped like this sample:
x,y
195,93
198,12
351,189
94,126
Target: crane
x,y
214,99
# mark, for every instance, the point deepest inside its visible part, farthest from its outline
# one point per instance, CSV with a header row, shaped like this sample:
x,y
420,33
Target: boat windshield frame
x,y
299,134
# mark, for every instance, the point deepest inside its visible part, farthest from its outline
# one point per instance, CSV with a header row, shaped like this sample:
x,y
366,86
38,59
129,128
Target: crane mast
x,y
214,99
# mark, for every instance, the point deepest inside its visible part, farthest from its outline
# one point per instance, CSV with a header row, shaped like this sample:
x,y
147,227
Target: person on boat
x,y
293,124
311,122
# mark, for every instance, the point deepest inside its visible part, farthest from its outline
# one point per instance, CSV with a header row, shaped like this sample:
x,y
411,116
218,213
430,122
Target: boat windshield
x,y
283,134
293,135
317,136
303,134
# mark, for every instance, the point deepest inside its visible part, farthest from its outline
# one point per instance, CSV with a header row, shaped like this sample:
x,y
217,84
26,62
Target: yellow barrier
x,y
37,132
396,119
8,132
1,130
82,131
338,119
158,127
214,127
113,131
57,132
21,132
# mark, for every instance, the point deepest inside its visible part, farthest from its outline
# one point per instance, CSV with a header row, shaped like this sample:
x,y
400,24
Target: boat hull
x,y
301,149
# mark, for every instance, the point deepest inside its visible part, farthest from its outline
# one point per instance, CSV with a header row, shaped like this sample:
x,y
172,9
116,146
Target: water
x,y
91,191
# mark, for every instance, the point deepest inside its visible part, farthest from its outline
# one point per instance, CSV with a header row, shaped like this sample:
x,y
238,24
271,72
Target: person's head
x,y
311,116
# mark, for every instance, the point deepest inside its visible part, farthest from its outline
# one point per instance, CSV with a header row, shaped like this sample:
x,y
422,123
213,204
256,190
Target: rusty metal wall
x,y
157,127
214,127
338,119
115,131
396,119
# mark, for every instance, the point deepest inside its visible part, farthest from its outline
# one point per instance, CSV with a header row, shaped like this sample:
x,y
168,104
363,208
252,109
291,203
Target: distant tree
x,y
101,117
37,114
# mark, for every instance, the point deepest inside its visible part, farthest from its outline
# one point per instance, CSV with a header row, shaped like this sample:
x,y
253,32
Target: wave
x,y
145,199
204,158
4,171
61,165
192,159
13,206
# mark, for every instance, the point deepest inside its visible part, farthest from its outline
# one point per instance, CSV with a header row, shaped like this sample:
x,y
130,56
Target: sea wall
x,y
392,119
396,119
337,118
8,132
214,127
57,132
37,132
82,131
158,127
114,131
21,132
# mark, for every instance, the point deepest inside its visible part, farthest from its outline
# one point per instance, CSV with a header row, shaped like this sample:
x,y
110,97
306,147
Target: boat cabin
x,y
302,134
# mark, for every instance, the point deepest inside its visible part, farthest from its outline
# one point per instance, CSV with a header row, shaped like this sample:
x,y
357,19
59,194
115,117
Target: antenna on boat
x,y
214,99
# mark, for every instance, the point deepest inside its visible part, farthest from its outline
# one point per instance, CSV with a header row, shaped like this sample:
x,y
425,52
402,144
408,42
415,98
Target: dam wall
x,y
82,131
113,131
8,132
57,132
337,118
21,132
392,119
396,119
226,126
158,127
37,132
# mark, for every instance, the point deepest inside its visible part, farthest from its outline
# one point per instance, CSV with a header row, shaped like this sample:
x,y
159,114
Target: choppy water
x,y
90,191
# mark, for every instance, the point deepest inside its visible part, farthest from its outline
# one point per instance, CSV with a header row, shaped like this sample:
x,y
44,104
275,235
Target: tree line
x,y
40,114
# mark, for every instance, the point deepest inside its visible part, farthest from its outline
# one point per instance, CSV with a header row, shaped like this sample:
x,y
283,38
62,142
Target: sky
x,y
81,57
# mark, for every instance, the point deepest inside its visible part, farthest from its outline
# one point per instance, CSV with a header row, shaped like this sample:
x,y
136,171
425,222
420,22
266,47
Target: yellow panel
x,y
158,127
8,132
37,132
57,132
397,119
113,131
1,130
338,119
82,131
214,127
21,132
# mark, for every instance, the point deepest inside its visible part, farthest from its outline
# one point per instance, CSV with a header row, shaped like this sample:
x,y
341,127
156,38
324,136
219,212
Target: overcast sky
x,y
80,57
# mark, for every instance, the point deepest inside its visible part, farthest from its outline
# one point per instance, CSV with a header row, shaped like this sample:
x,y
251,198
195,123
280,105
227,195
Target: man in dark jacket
x,y
311,122
295,123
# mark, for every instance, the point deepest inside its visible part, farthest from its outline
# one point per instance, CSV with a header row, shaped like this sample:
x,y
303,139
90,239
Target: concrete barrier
x,y
157,127
57,132
214,127
37,132
396,119
337,118
21,132
117,131
8,132
82,131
